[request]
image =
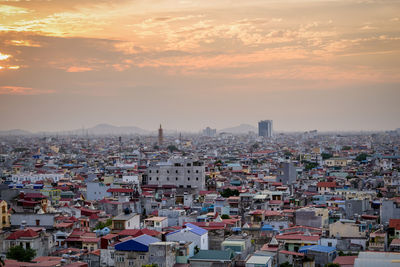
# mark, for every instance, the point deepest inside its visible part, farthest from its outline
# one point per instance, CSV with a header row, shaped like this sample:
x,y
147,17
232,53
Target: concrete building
x,y
133,252
126,221
313,217
175,217
156,223
193,233
287,173
180,172
265,128
45,220
322,255
36,239
389,210
96,191
163,253
355,207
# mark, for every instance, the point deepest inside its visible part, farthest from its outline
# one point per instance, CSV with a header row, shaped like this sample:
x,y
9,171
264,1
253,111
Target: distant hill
x,y
15,132
100,129
108,129
241,129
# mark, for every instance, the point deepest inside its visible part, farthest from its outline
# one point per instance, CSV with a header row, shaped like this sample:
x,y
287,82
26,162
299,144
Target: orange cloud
x,y
78,69
4,56
27,43
19,90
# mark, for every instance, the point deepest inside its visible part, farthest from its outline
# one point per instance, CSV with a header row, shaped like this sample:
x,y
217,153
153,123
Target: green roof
x,y
225,255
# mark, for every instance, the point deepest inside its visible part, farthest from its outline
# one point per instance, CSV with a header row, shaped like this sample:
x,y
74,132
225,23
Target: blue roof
x,y
318,248
236,229
267,227
192,228
131,245
146,239
195,229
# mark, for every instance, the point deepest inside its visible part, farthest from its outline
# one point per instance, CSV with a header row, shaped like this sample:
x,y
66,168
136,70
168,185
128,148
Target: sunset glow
x,y
249,52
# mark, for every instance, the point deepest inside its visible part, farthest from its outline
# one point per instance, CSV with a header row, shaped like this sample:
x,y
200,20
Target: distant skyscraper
x,y
210,132
265,128
160,136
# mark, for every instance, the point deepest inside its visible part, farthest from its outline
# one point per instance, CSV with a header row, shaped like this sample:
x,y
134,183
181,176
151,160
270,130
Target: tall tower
x,y
265,128
160,136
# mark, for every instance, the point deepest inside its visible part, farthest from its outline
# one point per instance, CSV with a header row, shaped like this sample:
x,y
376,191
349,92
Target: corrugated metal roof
x,y
146,239
317,248
131,245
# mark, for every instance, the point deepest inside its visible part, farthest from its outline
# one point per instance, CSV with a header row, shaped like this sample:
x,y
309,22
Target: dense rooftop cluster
x,y
298,199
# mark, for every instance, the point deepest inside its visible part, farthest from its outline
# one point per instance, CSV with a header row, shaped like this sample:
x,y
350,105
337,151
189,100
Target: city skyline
x,y
307,64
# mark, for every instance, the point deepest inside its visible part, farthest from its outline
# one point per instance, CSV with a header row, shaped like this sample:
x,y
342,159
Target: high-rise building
x,y
209,132
265,128
160,136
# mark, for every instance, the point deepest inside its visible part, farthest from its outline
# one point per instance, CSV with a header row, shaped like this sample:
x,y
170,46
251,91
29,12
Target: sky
x,y
306,64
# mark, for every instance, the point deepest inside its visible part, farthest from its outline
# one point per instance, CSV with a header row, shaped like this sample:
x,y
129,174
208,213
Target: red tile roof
x,y
394,223
291,253
138,232
345,260
28,233
314,238
326,184
120,190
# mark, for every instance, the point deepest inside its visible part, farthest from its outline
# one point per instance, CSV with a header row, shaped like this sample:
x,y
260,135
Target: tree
x,y
326,156
286,264
101,225
20,254
346,148
311,165
228,193
332,265
172,148
225,216
361,157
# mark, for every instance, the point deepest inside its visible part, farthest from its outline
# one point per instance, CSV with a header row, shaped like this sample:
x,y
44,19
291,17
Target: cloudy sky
x,y
306,64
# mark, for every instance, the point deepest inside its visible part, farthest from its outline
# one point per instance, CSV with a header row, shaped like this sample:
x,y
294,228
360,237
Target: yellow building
x,y
53,194
347,228
5,216
336,162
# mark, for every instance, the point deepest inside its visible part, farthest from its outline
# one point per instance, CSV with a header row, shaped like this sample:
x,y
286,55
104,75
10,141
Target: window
x,y
149,171
150,178
141,257
37,222
112,255
176,178
167,178
156,171
176,171
131,263
197,178
188,178
157,178
197,171
167,171
188,171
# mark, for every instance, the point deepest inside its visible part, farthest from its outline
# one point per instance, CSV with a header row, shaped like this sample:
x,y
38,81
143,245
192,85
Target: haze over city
x,y
312,64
